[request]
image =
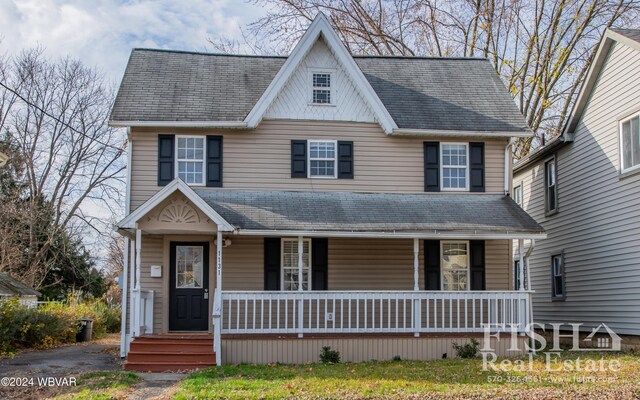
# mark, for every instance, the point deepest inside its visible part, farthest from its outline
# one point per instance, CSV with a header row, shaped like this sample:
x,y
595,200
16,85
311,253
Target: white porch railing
x,y
253,312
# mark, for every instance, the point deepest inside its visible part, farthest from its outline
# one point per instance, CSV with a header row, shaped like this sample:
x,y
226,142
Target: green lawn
x,y
452,378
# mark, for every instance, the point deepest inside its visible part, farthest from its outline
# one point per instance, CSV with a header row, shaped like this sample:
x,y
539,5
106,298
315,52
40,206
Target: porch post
x,y
132,283
138,266
124,340
417,318
416,262
300,281
521,263
217,302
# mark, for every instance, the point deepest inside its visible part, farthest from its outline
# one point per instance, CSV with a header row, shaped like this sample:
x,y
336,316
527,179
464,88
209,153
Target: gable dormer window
x,y
321,87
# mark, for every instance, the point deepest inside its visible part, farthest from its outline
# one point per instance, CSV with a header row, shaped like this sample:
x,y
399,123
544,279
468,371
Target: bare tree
x,y
542,49
56,114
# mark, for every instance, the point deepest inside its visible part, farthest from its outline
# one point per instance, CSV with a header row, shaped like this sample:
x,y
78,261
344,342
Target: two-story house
x,y
584,187
277,205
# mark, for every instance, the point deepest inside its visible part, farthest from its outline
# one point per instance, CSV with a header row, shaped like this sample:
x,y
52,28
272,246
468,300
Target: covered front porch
x,y
269,274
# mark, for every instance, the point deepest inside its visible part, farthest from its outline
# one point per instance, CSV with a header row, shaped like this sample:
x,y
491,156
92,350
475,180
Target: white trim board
x,y
176,185
321,26
439,235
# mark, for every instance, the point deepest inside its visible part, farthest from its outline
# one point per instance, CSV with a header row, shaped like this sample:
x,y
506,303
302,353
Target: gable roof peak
x,y
321,27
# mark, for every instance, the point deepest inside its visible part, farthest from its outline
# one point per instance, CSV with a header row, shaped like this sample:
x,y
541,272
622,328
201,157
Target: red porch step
x,y
170,353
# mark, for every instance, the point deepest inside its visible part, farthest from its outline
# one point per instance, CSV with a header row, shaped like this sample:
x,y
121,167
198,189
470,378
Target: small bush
x,y
328,356
53,323
467,350
397,358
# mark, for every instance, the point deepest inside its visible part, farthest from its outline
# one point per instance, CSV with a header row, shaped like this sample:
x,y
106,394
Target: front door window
x,y
189,263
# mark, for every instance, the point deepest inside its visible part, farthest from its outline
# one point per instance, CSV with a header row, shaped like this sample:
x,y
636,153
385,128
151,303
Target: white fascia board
x,y
176,185
321,25
440,235
178,124
459,133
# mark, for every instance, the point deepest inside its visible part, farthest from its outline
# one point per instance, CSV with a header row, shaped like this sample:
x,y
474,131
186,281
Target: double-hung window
x,y
289,264
455,166
455,265
322,158
517,194
630,143
321,88
190,159
550,182
557,277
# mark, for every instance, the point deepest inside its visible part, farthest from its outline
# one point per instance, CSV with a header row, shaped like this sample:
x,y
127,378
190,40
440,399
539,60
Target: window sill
x,y
322,177
558,299
630,172
551,213
321,105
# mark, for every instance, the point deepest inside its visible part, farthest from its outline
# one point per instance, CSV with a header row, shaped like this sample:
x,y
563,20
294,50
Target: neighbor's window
x,y
630,142
516,272
455,166
322,159
455,265
517,194
290,264
190,159
557,276
321,88
551,191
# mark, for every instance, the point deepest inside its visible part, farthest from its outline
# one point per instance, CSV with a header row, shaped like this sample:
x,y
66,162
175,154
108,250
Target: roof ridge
x,y
400,57
203,53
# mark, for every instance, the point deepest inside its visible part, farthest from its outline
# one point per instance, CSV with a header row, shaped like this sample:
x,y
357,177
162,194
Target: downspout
x,y
507,167
526,262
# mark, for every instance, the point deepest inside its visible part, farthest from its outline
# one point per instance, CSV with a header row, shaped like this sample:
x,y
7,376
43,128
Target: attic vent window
x,y
321,88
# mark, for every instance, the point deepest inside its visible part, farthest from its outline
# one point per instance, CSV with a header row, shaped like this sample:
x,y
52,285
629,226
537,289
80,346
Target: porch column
x,y
217,302
417,305
124,340
521,263
132,283
300,281
137,290
416,264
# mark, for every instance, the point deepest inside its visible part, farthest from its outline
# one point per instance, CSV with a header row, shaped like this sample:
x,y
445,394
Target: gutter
x,y
459,133
542,152
432,234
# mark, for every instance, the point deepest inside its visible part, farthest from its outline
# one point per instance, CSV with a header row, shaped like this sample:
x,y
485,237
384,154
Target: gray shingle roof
x,y
419,93
10,286
368,212
633,34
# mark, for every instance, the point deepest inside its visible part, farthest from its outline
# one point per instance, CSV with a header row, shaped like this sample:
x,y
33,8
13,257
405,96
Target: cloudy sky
x,y
102,32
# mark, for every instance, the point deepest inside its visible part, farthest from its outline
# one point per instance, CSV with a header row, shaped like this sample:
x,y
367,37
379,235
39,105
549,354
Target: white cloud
x,y
102,32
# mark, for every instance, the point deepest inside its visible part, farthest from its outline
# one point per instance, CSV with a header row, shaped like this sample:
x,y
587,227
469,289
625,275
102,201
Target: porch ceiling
x,y
369,214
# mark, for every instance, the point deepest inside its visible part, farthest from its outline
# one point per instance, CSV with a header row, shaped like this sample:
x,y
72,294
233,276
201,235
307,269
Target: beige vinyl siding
x,y
598,223
261,158
354,264
357,349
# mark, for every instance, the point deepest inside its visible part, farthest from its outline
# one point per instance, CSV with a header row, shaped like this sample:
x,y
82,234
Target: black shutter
x,y
319,263
214,161
432,264
431,167
271,263
166,153
476,167
345,160
298,158
476,269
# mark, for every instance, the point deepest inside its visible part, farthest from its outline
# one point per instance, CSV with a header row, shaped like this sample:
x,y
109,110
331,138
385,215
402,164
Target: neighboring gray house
x,y
11,287
583,187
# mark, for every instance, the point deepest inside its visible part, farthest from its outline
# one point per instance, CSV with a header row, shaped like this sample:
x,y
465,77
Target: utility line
x,y
15,92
